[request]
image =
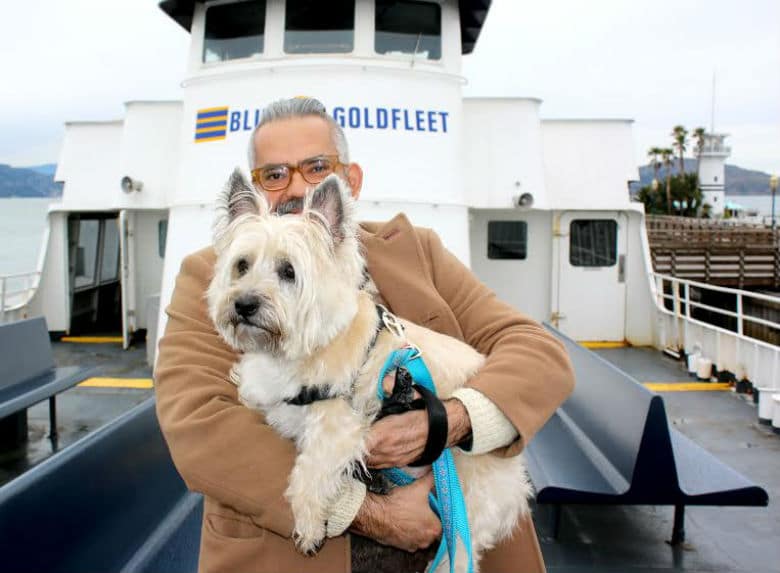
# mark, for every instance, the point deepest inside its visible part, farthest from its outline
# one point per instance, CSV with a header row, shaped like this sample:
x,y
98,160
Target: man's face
x,y
292,140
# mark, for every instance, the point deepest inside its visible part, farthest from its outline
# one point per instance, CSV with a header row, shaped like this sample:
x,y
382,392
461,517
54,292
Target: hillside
x,y
739,181
28,181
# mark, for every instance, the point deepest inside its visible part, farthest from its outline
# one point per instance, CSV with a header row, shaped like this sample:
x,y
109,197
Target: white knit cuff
x,y
490,428
345,508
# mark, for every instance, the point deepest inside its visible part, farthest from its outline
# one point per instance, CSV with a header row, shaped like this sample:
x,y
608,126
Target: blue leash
x,y
448,503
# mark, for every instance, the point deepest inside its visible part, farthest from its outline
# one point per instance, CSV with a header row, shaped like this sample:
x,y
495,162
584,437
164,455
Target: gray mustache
x,y
289,206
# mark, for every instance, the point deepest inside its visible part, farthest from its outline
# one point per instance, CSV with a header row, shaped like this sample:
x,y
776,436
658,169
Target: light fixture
x,y
526,200
129,184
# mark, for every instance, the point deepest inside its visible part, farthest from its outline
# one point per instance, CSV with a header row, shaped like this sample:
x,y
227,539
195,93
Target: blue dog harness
x,y
448,503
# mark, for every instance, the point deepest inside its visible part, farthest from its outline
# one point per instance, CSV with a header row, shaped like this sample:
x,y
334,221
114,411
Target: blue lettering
x,y
257,117
444,115
366,122
432,122
338,115
396,113
381,118
354,117
418,115
235,120
407,125
247,127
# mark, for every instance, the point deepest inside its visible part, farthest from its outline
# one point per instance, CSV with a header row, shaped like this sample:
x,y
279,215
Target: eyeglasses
x,y
277,177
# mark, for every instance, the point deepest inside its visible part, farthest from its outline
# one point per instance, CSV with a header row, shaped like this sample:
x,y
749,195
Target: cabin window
x,y
408,27
593,243
319,27
86,253
507,240
162,237
109,261
234,31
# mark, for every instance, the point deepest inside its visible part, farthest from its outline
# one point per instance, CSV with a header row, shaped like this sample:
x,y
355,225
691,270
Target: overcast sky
x,y
67,60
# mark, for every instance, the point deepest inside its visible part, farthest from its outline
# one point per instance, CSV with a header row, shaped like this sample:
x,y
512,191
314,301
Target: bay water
x,y
22,223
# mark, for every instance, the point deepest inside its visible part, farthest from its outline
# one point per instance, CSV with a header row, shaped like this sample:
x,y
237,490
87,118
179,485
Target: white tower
x,y
712,172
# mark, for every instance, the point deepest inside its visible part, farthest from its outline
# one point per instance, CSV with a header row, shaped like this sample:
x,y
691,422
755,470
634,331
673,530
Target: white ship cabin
x,y
538,208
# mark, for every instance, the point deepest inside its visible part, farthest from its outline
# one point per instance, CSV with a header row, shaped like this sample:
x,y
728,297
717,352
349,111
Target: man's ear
x,y
329,203
238,198
355,178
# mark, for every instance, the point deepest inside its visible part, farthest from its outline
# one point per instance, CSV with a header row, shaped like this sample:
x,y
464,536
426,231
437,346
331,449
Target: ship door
x,y
591,293
127,276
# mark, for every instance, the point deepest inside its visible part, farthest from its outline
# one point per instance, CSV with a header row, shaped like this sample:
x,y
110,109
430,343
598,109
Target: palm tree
x,y
667,155
653,153
680,134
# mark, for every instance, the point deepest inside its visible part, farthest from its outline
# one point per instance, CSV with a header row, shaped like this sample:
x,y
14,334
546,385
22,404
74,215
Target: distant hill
x,y
739,181
28,181
47,169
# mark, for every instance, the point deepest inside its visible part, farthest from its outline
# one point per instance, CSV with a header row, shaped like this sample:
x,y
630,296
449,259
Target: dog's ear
x,y
330,204
237,198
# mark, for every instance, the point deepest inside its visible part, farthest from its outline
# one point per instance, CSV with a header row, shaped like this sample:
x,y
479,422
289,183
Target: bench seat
x,y
611,443
112,501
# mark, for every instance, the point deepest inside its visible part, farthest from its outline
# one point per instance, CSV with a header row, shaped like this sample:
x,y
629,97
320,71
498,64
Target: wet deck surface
x,y
79,410
592,538
722,539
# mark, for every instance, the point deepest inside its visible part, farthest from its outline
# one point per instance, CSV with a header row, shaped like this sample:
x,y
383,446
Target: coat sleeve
x,y
527,373
221,448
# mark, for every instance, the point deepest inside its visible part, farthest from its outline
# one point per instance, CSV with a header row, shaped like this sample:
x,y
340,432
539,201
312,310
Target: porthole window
x,y
507,240
593,243
319,27
408,27
234,31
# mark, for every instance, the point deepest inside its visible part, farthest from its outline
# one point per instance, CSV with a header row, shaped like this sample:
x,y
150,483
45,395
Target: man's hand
x,y
402,518
396,441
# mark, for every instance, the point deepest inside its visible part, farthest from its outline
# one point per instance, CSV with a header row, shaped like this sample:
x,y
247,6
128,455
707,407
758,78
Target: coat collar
x,y
397,264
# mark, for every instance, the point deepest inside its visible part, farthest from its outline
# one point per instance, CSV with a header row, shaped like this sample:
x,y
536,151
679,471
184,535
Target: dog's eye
x,y
242,266
286,271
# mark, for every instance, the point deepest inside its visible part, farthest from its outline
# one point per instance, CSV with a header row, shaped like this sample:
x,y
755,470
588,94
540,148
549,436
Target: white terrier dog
x,y
290,293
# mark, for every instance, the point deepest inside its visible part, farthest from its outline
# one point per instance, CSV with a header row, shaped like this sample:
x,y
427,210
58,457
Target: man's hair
x,y
300,107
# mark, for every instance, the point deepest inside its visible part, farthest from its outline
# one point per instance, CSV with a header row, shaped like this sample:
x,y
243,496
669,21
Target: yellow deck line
x,y
91,339
603,344
117,383
210,109
687,386
202,139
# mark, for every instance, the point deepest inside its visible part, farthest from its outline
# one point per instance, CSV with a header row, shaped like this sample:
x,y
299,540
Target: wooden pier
x,y
716,252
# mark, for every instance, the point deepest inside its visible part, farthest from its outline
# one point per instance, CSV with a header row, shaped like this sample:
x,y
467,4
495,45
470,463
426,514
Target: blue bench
x,y
112,501
28,375
610,443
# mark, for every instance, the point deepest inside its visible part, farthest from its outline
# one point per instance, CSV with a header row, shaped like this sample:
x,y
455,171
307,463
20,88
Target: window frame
x,y
505,223
406,56
354,39
218,3
614,251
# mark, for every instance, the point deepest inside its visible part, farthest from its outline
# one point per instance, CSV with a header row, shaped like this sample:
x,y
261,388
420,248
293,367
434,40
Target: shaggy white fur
x,y
287,293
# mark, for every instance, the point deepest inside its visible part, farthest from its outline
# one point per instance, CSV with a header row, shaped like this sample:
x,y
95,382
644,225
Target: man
x,y
241,465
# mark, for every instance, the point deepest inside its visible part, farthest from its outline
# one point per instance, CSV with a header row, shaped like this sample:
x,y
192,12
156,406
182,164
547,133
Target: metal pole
x,y
53,419
678,530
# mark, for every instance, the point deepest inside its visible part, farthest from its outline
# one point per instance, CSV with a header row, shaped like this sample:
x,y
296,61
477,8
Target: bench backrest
x,y
25,351
94,504
609,406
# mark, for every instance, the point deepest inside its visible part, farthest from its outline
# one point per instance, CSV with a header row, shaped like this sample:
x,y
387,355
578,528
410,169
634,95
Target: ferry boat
x,y
538,208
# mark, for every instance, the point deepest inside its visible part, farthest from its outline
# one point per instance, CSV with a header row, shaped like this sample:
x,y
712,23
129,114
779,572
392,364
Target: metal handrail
x,y
30,280
679,299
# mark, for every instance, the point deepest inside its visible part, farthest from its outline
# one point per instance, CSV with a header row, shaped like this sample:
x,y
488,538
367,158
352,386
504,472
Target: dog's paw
x,y
307,543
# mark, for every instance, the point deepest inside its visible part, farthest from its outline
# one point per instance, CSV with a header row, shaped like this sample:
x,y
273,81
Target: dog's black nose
x,y
247,305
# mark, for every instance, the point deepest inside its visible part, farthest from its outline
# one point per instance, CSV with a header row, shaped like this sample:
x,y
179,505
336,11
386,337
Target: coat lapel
x,y
396,262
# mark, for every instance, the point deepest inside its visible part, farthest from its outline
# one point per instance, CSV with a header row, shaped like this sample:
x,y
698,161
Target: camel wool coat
x,y
227,452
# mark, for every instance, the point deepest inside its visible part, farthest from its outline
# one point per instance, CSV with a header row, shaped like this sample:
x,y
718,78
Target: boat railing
x,y
740,337
16,290
680,294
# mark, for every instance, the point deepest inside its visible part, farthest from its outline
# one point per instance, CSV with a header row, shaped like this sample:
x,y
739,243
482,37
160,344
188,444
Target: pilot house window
x,y
319,27
408,27
593,243
507,239
234,31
